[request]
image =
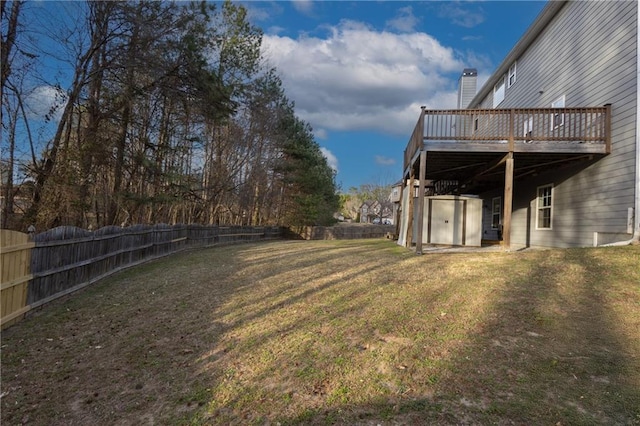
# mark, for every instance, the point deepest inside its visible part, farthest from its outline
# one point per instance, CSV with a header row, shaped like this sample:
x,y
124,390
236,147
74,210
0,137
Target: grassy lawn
x,y
337,332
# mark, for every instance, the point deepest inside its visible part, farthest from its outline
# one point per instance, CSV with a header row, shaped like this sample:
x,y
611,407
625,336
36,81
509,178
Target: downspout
x,y
636,212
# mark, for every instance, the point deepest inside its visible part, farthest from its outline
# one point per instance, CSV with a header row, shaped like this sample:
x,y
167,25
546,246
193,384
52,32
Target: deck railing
x,y
512,126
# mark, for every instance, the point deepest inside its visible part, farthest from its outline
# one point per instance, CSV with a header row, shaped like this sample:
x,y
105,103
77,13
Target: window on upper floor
x,y
511,79
544,211
498,92
557,120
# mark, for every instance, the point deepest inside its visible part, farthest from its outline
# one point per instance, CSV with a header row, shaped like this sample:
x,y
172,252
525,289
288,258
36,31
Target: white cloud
x,y
332,160
472,38
46,103
256,13
358,78
320,133
275,30
303,6
464,17
405,21
385,161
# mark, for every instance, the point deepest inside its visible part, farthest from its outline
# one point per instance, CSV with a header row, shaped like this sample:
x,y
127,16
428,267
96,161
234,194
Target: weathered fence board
x,y
15,251
65,259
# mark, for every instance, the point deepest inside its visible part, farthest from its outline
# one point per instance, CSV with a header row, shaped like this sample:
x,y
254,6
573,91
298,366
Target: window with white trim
x,y
498,92
511,79
557,120
544,210
496,212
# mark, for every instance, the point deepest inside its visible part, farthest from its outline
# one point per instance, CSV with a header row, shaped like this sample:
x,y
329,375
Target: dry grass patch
x,y
346,332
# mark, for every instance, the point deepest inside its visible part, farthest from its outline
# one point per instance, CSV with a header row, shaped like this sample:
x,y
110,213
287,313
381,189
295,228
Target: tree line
x,y
171,115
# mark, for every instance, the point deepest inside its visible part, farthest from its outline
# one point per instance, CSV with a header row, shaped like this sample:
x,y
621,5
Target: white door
x,y
446,221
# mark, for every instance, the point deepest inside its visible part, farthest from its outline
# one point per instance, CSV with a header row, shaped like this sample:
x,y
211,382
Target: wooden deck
x,y
535,130
476,150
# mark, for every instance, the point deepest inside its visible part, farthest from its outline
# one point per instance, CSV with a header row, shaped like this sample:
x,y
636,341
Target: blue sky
x,y
358,71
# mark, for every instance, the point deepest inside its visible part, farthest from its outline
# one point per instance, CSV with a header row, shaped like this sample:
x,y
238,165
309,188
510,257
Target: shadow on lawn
x,y
148,347
551,350
131,348
292,290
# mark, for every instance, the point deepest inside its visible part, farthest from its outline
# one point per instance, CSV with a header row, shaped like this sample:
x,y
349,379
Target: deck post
x,y
508,202
409,236
399,212
421,192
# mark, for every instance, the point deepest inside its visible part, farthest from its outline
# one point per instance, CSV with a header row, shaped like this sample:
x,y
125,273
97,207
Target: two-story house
x,y
549,143
376,212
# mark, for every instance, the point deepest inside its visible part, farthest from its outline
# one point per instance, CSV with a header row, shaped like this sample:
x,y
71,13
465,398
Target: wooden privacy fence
x,y
65,259
15,257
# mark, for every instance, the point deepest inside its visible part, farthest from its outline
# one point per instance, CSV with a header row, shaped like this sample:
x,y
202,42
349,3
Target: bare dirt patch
x,y
346,332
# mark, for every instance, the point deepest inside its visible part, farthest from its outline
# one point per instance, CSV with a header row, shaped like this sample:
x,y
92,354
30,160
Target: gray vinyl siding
x,y
588,53
467,90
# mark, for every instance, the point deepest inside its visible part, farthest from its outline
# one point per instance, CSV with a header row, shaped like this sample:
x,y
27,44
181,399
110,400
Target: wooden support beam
x,y
399,213
409,237
564,162
487,169
421,190
418,141
508,202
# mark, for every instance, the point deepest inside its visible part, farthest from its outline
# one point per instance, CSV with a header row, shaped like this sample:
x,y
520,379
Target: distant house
x,y
376,213
368,211
550,144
